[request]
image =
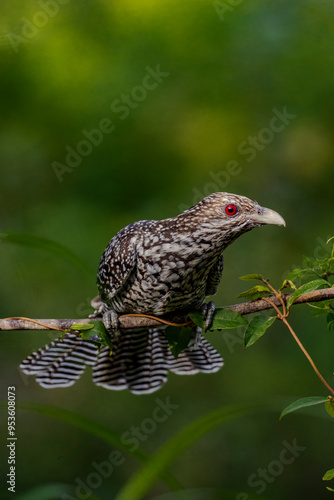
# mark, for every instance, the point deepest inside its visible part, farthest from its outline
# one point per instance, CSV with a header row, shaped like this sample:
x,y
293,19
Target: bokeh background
x,y
227,67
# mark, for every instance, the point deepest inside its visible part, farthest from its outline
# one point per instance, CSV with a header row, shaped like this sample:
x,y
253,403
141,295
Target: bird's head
x,y
231,215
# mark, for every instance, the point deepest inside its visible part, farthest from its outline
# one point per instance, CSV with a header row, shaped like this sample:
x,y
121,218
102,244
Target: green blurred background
x,y
227,66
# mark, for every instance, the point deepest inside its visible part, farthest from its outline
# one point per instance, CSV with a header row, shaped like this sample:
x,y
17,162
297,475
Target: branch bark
x,y
9,324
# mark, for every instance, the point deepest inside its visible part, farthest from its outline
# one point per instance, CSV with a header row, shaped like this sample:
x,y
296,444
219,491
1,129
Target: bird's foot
x,y
208,311
111,323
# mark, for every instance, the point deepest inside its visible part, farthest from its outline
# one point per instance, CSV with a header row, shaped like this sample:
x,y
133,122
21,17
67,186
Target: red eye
x,y
231,210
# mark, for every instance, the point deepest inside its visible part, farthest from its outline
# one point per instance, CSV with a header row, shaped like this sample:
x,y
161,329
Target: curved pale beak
x,y
268,216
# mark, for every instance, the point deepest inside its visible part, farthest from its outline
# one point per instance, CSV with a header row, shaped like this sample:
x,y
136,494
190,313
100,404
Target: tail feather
x,y
140,361
60,363
137,363
203,359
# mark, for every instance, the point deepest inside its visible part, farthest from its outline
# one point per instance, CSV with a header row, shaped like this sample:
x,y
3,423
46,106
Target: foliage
x,y
303,403
178,338
223,319
257,327
327,477
94,331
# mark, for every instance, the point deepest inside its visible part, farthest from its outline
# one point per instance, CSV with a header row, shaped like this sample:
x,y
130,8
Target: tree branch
x,y
261,305
128,321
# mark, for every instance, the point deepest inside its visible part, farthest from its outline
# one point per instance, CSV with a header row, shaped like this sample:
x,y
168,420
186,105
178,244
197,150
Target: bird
x,y
154,267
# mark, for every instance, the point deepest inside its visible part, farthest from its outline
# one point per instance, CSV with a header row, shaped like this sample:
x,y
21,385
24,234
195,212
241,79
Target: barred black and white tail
x,y
140,361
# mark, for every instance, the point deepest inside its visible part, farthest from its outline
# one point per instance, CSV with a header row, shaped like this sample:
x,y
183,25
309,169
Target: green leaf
x,y
330,264
326,266
223,318
40,243
329,475
98,334
94,331
330,321
250,277
321,309
309,262
306,288
256,328
298,274
288,284
329,406
81,326
254,293
303,403
329,489
197,318
178,338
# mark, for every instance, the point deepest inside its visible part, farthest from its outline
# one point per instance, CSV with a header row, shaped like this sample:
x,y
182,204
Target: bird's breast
x,y
167,279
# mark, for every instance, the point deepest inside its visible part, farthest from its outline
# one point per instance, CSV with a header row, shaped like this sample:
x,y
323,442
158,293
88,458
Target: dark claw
x,y
208,311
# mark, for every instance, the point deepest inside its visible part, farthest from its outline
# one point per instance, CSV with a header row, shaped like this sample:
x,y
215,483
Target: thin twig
x,y
274,306
282,316
261,305
307,355
278,295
